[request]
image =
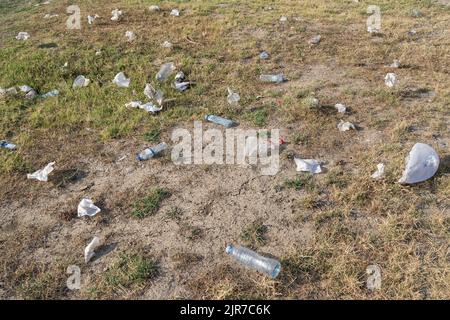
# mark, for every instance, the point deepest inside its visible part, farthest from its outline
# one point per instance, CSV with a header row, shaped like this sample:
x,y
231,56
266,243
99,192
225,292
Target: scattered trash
x,y
412,32
374,280
151,152
395,64
221,121
66,64
179,83
346,126
80,81
98,52
340,107
416,13
233,97
175,12
42,174
264,55
251,259
421,164
50,16
308,165
167,45
10,91
130,36
89,250
153,94
91,19
23,36
390,80
116,15
149,107
277,78
50,94
315,40
283,19
154,8
121,80
165,71
30,93
7,145
377,175
87,208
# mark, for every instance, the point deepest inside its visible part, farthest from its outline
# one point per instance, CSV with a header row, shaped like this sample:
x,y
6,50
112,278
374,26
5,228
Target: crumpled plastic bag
x,y
377,175
308,165
390,80
180,84
421,164
175,12
283,19
87,208
149,107
42,174
23,36
91,19
153,94
340,107
165,71
80,81
154,8
116,15
167,45
264,55
7,145
89,250
130,36
346,126
315,40
233,97
121,80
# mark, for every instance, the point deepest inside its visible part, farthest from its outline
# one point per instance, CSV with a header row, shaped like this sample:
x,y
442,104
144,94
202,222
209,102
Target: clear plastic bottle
x,y
251,259
7,145
227,123
151,152
278,78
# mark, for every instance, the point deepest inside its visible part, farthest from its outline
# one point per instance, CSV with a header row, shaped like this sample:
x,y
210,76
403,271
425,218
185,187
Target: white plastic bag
x,y
421,164
87,208
130,36
175,13
165,71
23,36
377,175
346,126
308,165
121,80
340,107
233,97
89,250
315,40
153,8
80,81
116,15
390,80
149,107
42,174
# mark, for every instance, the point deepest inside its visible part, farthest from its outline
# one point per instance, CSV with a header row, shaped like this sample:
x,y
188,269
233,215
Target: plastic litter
x,y
308,165
116,15
91,19
227,123
179,83
80,81
421,164
89,252
50,94
416,13
121,80
377,175
233,97
42,174
283,19
49,16
10,91
277,78
167,45
340,107
251,259
154,8
23,36
390,80
7,145
165,71
346,126
30,93
395,64
130,36
264,55
153,94
315,40
151,152
149,107
87,208
175,12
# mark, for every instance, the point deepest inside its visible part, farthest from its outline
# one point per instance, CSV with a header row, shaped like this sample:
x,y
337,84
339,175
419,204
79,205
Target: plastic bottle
x,y
227,123
7,145
251,259
151,152
278,78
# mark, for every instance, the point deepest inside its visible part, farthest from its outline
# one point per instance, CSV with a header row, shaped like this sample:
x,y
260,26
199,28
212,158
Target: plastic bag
x,y
42,174
87,208
116,15
346,126
377,175
165,71
315,40
80,81
233,97
89,250
340,107
23,36
308,165
149,107
421,164
130,36
121,80
390,80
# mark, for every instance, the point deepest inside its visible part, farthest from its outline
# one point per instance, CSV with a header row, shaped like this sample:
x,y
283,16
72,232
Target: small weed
x,y
255,234
150,204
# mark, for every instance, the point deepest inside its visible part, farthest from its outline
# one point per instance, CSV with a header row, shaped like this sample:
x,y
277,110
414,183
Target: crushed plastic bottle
x,y
277,78
227,123
80,81
175,12
7,145
180,84
233,97
308,165
154,8
30,93
165,71
151,152
251,259
421,164
315,40
50,94
121,80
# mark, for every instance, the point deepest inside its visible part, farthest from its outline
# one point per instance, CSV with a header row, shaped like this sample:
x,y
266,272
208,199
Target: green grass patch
x,y
149,205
